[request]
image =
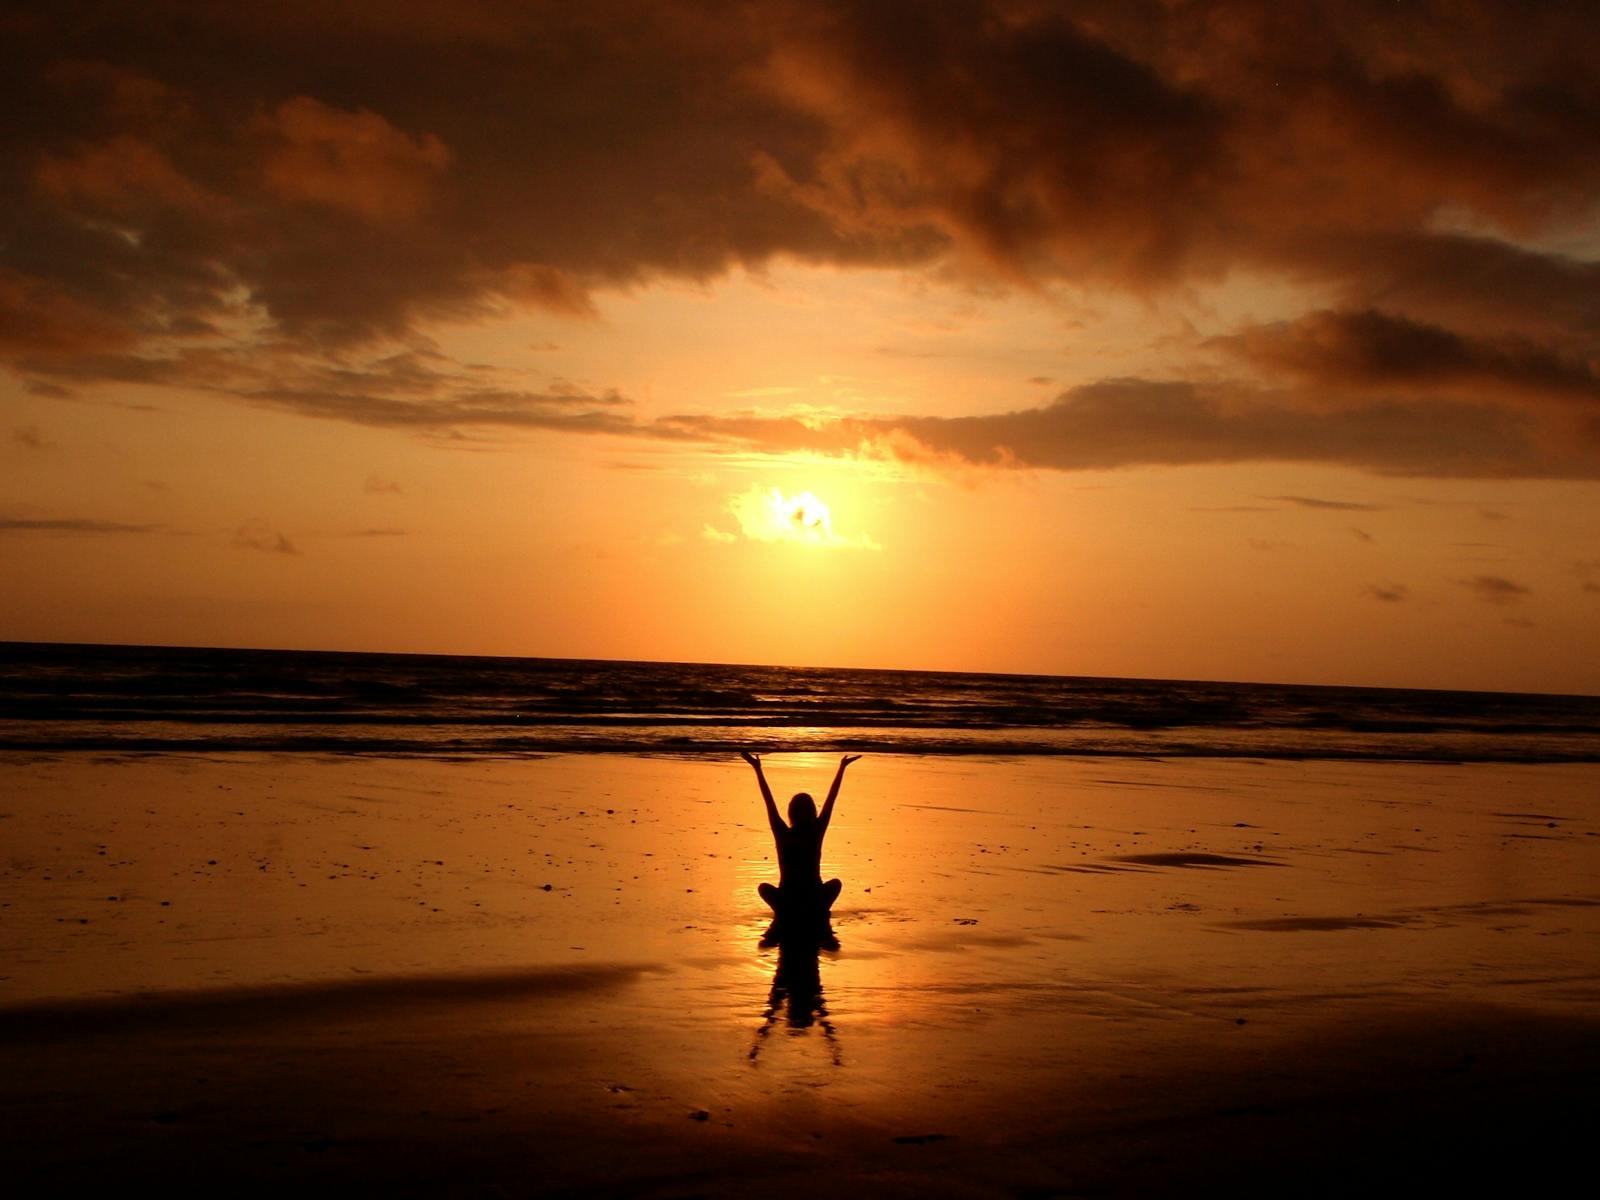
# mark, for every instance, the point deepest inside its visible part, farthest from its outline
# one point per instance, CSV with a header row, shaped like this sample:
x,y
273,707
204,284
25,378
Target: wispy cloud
x,y
1588,573
420,390
1389,593
1495,589
1331,505
1113,423
1141,422
72,525
257,534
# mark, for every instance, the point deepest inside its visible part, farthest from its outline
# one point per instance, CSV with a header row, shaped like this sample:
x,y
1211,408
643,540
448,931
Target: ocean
x,y
74,698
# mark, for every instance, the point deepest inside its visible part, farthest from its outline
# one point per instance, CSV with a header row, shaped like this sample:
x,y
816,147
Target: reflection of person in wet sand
x,y
800,897
796,998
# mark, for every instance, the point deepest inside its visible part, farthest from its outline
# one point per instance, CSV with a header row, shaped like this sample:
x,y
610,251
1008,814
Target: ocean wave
x,y
109,698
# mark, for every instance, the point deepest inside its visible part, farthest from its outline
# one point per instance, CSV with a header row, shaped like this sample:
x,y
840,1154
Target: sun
x,y
802,516
768,514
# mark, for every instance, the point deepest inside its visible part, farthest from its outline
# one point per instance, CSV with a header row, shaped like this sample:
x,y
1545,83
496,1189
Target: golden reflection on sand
x,y
569,952
1189,879
971,886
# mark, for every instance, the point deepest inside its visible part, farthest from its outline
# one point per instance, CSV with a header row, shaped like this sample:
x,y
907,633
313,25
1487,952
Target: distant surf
x,y
61,698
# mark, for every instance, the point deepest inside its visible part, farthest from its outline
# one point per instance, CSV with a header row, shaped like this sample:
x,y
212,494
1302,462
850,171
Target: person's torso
x,y
799,856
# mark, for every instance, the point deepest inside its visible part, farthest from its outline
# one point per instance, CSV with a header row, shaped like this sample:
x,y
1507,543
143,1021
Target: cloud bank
x,y
333,181
1136,422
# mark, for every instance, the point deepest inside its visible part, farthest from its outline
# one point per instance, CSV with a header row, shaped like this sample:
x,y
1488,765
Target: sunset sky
x,y
1242,340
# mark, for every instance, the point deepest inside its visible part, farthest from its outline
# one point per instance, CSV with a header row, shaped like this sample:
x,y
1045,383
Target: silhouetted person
x,y
801,899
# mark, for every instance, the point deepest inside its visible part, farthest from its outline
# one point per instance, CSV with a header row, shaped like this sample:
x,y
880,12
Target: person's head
x,y
802,810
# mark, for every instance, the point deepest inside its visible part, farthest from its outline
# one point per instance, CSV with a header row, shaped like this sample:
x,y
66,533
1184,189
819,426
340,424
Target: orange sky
x,y
1219,344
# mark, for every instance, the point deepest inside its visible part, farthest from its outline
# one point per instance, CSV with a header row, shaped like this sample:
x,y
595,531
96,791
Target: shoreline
x,y
45,749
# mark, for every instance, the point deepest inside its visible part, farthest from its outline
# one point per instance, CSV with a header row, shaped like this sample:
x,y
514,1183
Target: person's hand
x,y
847,760
753,759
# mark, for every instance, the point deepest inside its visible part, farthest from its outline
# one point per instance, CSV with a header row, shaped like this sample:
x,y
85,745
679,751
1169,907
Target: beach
x,y
1156,447
544,976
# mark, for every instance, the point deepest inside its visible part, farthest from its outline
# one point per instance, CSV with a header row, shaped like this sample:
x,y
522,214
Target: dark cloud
x,y
71,525
29,437
1482,285
353,175
257,534
348,178
1030,143
1389,593
1495,589
1135,145
1368,350
1361,535
378,533
334,178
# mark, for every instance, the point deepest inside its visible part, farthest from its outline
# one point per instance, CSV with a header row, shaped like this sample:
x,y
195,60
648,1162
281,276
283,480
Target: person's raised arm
x,y
833,792
766,793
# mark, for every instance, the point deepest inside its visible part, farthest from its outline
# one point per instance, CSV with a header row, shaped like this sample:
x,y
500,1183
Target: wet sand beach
x,y
1054,976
